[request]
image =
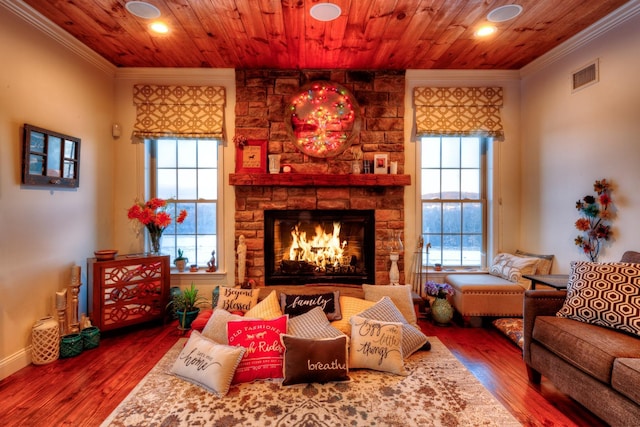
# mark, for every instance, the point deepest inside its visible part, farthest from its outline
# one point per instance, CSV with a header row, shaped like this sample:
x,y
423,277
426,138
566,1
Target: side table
x,y
556,281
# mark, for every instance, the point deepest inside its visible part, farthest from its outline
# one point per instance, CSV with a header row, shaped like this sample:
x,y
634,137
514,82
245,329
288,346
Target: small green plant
x,y
186,301
181,256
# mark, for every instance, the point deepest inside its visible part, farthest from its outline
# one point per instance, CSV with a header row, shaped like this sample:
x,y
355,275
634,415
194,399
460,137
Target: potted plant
x,y
185,304
181,261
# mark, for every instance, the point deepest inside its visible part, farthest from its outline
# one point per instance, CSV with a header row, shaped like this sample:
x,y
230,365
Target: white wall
x,y
571,139
43,231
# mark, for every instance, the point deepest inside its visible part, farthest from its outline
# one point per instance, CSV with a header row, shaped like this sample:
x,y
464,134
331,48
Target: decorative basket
x,y
70,345
45,346
90,337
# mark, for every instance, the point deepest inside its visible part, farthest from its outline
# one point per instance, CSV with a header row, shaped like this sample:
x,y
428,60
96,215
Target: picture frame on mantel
x,y
380,163
252,156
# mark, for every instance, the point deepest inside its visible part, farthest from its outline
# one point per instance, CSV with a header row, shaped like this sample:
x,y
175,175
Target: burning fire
x,y
323,250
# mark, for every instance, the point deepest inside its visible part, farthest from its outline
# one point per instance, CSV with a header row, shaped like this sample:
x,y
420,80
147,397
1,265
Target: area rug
x,y
439,391
512,327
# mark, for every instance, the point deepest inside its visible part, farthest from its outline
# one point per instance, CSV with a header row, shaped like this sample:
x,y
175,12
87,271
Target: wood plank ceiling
x,y
281,34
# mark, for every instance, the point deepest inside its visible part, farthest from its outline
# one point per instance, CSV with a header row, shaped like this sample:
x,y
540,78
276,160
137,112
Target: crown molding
x,y
616,18
37,20
431,77
216,75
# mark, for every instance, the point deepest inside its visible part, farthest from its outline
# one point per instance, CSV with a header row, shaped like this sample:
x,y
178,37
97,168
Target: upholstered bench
x,y
500,291
483,294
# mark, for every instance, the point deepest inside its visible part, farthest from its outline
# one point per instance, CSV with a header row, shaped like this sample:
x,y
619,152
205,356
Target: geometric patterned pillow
x,y
512,268
605,294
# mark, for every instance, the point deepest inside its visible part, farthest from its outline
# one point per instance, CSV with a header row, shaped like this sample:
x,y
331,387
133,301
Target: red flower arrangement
x,y
596,220
154,216
240,141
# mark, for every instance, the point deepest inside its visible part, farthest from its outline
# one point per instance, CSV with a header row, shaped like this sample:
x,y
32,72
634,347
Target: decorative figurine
x,y
212,263
242,259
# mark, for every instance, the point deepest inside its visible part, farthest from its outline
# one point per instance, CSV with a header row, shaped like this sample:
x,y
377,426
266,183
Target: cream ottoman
x,y
482,294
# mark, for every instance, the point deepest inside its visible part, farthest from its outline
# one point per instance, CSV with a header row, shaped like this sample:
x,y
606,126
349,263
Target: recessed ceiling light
x,y
142,9
325,11
159,27
485,30
504,13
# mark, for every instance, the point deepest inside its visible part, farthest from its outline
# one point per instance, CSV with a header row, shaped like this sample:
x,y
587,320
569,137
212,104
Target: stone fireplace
x,y
317,246
320,184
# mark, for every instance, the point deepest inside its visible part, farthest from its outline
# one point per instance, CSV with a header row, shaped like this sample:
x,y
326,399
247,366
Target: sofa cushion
x,y
512,267
626,376
588,347
605,294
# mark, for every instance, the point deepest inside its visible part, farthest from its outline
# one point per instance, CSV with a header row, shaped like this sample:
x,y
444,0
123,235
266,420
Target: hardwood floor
x,y
82,391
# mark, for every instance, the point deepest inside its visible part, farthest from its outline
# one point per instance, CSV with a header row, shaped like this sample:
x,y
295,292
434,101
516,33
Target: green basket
x,y
70,345
90,337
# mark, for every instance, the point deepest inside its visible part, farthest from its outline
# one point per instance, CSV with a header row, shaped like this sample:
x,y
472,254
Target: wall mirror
x,y
323,119
50,158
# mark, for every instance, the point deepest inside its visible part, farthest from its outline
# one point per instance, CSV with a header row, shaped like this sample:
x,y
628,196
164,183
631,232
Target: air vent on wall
x,y
585,76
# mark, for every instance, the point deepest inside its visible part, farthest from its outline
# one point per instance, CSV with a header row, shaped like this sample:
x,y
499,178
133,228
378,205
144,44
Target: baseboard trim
x,y
14,362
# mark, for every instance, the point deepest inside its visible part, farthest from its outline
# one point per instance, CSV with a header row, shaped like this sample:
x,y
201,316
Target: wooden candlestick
x,y
74,324
61,307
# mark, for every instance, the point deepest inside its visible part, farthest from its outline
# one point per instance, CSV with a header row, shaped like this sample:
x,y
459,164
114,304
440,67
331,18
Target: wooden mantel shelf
x,y
318,180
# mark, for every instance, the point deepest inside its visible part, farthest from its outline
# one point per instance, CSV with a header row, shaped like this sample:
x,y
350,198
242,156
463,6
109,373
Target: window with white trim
x,y
185,172
453,188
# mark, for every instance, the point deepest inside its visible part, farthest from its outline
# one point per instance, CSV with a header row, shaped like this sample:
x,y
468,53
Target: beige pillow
x,y
235,299
350,306
512,268
399,294
267,309
216,327
544,261
208,364
376,345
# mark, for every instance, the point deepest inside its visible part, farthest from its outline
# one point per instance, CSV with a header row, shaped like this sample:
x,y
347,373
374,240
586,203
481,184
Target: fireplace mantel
x,y
318,180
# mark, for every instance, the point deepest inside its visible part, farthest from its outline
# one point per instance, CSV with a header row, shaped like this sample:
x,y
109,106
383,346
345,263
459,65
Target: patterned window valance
x,y
458,111
178,112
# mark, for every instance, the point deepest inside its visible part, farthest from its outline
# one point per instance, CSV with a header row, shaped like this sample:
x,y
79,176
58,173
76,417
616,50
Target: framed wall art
x,y
50,158
380,163
251,156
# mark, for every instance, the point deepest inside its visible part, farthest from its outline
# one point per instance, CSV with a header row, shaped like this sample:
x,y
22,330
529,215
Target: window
x,y
185,173
453,199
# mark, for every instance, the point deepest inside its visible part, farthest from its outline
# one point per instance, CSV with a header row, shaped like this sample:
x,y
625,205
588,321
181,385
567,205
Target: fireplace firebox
x,y
319,246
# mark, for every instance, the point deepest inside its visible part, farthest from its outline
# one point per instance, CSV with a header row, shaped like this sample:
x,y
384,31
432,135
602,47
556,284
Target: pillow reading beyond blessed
x,y
216,327
207,364
261,338
399,294
315,360
312,324
512,268
267,309
234,299
386,311
295,305
376,345
605,294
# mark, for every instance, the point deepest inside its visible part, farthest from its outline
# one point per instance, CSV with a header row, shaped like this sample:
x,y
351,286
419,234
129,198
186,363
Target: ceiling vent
x,y
585,76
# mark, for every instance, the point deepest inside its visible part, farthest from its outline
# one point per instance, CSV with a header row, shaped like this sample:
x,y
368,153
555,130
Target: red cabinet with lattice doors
x,y
127,290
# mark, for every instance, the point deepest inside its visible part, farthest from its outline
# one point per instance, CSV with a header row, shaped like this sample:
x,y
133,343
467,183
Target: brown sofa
x,y
596,366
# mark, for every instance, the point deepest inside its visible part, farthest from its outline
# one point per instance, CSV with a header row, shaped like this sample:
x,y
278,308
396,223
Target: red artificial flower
x,y
583,224
181,216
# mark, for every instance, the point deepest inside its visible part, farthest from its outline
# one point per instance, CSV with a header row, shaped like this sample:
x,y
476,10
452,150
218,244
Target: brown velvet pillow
x,y
315,360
